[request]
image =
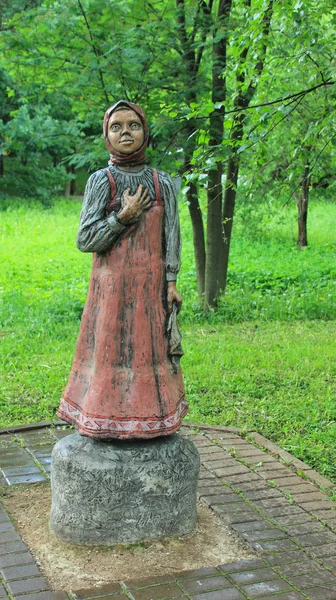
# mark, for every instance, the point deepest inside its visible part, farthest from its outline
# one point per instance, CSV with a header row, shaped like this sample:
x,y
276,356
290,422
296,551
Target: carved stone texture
x,y
119,492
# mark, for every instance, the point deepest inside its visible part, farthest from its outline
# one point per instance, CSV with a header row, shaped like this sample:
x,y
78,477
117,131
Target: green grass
x,y
264,361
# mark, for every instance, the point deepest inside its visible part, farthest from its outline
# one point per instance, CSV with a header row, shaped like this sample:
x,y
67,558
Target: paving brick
x,y
11,560
266,587
206,475
263,494
17,479
221,499
46,460
298,568
285,510
324,515
228,594
325,550
240,444
288,480
302,487
319,479
200,586
11,573
196,573
211,450
319,505
235,480
309,497
18,462
15,452
330,563
312,579
104,590
12,471
235,508
43,452
274,474
275,467
246,486
22,586
6,526
236,470
296,519
9,536
242,565
286,557
321,593
157,592
3,593
43,596
311,527
218,463
271,503
316,539
209,490
275,545
243,517
12,547
254,459
285,596
201,440
120,596
251,451
261,525
268,534
255,576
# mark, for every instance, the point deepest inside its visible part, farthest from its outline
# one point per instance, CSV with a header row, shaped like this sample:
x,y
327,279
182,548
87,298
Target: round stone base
x,y
120,492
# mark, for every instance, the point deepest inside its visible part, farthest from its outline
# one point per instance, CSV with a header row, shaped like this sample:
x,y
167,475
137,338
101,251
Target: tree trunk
x,y
241,102
302,204
192,60
73,185
214,239
228,212
2,167
198,237
214,248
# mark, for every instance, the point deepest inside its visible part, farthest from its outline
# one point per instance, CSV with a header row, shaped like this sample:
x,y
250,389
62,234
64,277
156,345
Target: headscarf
x,y
139,156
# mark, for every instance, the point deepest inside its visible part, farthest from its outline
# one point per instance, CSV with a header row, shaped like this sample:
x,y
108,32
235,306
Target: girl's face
x,y
125,131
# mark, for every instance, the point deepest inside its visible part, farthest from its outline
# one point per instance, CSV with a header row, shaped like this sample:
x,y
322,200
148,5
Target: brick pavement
x,y
278,505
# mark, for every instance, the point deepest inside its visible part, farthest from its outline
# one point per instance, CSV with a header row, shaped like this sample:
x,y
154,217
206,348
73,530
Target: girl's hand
x,y
173,296
133,206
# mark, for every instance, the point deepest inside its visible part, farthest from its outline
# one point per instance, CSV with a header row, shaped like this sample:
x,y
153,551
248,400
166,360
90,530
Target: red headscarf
x,y
139,156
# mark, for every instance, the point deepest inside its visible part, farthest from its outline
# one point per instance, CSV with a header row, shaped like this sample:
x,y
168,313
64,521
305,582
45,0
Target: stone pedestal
x,y
119,492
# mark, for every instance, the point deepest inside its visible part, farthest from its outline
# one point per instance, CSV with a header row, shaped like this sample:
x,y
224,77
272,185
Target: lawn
x,y
264,361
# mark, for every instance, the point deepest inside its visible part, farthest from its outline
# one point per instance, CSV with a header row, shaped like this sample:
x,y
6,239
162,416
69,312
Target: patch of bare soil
x,y
71,567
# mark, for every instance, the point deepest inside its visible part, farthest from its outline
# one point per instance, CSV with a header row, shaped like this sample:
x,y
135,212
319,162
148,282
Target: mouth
x,y
126,141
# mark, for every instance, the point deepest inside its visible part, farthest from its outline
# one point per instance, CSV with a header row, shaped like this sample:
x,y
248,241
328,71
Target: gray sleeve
x,y
171,227
97,233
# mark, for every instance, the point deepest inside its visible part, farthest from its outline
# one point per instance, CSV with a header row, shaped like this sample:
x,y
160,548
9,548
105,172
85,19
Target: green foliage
x,y
37,179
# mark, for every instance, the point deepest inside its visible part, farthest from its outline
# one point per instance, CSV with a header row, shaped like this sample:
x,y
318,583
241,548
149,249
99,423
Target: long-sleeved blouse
x,y
98,231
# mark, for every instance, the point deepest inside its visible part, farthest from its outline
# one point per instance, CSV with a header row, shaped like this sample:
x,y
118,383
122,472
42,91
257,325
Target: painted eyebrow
x,y
129,121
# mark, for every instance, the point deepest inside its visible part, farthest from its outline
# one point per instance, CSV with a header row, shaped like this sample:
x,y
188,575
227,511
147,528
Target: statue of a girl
x,y
126,381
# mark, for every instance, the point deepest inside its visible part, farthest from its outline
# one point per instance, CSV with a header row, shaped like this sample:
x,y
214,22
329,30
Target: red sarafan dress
x,y
123,383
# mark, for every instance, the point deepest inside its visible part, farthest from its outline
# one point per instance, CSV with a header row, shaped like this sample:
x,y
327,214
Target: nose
x,y
125,129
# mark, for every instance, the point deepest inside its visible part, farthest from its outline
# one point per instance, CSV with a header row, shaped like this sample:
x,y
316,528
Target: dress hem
x,y
108,428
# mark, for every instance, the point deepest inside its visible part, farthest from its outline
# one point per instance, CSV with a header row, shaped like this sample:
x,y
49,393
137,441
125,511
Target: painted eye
x,y
115,127
135,126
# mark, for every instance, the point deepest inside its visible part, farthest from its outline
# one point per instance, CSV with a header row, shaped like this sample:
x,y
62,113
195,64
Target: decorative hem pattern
x,y
103,427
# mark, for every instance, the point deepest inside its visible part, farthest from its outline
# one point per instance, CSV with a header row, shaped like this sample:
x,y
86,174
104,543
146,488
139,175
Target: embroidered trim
x,y
121,428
